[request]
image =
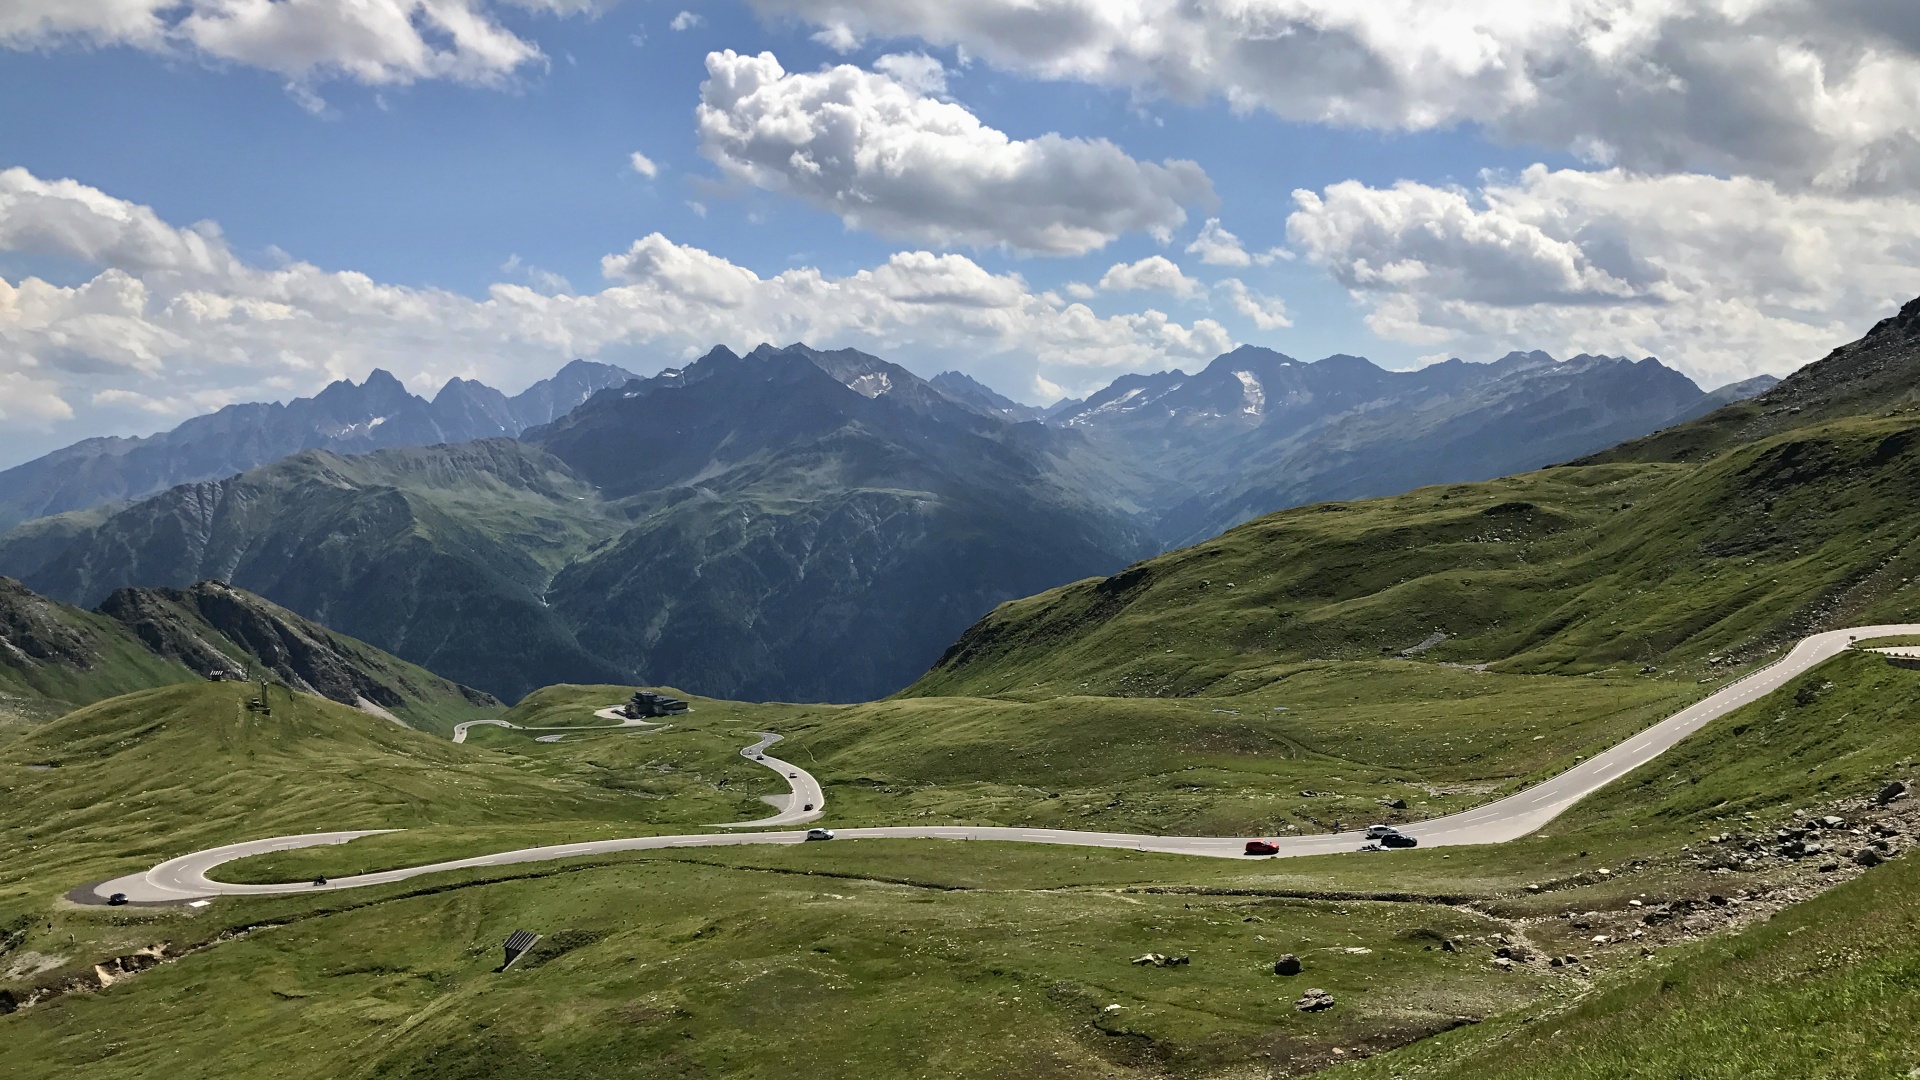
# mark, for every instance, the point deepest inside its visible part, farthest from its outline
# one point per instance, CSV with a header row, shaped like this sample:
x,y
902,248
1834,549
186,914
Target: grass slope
x,y
54,657
1827,990
889,958
125,783
1686,570
213,625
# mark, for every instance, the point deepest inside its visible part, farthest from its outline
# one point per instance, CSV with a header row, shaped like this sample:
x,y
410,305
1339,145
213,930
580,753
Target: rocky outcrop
x,y
34,629
201,626
1314,1000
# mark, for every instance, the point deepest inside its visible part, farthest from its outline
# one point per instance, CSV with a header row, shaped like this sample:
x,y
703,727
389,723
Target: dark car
x,y
1398,839
1262,847
116,899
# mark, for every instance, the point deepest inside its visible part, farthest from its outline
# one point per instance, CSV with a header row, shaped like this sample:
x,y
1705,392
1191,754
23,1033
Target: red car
x,y
1262,847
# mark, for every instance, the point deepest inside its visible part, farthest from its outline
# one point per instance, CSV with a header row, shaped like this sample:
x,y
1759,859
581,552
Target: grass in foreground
x,y
1829,989
883,958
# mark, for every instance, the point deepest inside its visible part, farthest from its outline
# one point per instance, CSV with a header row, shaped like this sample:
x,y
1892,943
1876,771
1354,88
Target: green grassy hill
x,y
1827,990
127,782
54,657
1690,553
439,554
1678,569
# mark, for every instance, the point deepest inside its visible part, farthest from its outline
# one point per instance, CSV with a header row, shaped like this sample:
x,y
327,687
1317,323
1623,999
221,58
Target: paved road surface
x,y
185,878
802,789
613,713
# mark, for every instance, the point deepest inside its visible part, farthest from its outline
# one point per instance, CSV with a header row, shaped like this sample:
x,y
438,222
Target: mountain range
x,y
344,418
790,523
1256,431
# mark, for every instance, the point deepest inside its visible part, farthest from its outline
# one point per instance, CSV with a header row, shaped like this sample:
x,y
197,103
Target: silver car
x,y
819,834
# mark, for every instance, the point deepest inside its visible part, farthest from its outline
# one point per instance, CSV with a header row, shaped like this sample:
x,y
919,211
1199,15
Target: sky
x,y
211,201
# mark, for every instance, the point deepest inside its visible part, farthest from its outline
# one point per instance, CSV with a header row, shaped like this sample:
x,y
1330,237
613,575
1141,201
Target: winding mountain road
x,y
185,878
612,713
805,799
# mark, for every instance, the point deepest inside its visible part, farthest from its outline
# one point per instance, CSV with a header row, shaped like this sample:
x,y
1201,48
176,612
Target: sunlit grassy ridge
x,y
1678,568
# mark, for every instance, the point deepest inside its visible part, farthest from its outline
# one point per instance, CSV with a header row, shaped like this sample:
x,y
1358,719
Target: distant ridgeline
x,y
790,524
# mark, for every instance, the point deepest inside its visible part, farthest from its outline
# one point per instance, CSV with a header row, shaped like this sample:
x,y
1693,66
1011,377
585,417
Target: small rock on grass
x,y
1160,960
1891,792
1288,964
1314,1000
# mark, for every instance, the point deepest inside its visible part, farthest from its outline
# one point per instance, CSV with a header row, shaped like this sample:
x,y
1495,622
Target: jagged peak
x,y
1904,324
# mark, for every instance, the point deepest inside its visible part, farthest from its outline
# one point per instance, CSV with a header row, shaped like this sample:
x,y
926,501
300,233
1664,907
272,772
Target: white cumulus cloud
x,y
377,42
173,319
1265,312
1820,93
1725,277
643,165
877,149
1154,273
1218,247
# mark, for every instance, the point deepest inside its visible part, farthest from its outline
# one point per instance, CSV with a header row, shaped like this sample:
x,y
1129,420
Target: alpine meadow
x,y
795,539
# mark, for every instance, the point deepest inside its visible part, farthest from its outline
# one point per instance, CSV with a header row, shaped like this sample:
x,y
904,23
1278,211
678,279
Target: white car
x,y
819,834
1375,832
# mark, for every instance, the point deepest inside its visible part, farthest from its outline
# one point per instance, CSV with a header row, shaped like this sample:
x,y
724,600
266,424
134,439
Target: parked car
x,y
819,834
1262,847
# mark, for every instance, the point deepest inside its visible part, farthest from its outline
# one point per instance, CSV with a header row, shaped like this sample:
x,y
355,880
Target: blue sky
x,y
367,215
